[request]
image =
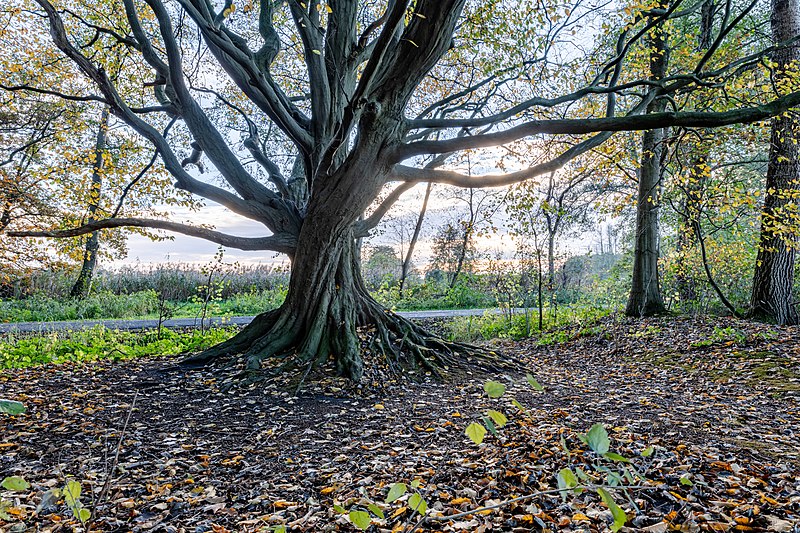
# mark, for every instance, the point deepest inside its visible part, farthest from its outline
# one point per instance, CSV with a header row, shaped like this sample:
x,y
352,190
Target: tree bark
x,y
84,281
774,271
645,296
326,302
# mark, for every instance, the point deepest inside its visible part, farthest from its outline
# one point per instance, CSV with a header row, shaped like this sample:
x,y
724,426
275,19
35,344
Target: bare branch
x,y
608,124
278,243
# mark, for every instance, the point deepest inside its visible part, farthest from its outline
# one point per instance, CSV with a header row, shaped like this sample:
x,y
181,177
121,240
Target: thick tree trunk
x,y
774,272
326,302
645,296
84,282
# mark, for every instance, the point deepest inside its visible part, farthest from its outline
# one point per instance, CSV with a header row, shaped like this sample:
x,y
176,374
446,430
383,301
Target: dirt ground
x,y
702,413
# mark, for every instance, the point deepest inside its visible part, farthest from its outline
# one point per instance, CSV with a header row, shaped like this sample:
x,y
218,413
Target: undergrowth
x,y
102,343
142,304
569,322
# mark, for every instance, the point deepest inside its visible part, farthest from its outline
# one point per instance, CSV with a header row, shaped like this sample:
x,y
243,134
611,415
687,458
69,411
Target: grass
x,y
99,343
145,304
570,322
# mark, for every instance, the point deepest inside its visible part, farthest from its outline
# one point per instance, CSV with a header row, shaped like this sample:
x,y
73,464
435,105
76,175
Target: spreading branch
x,y
688,119
278,243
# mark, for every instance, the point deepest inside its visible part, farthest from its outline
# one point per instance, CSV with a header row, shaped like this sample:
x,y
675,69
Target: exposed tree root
x,y
278,342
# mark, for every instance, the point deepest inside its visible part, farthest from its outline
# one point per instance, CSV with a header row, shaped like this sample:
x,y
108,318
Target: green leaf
x,y
72,494
476,432
15,483
613,479
498,418
616,457
376,511
339,509
564,446
3,514
494,389
415,484
417,503
619,515
518,405
533,383
83,515
360,519
489,425
686,481
566,481
279,528
583,476
395,491
647,452
597,439
11,407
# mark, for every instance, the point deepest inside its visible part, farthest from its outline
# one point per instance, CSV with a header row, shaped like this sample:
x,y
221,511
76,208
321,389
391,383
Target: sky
x,y
183,249
192,250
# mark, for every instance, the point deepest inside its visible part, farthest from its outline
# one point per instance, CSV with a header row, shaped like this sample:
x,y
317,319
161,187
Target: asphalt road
x,y
135,325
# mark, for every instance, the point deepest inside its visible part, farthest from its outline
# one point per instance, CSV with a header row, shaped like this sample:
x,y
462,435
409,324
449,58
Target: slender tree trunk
x,y
462,254
695,183
645,296
414,238
551,268
84,282
774,272
539,281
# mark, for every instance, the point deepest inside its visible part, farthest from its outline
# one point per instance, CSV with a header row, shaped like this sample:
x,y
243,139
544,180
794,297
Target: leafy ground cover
x,y
706,411
99,342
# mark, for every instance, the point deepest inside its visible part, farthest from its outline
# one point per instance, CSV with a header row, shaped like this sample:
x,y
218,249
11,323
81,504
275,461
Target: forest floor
x,y
706,409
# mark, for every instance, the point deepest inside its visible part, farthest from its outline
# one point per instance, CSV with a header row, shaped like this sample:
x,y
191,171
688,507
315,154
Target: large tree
x,y
365,93
780,219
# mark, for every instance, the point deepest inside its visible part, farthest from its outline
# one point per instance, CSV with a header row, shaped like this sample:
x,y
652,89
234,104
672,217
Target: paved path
x,y
134,325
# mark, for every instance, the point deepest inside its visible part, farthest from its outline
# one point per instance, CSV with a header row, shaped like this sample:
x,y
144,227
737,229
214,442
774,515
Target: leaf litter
x,y
702,412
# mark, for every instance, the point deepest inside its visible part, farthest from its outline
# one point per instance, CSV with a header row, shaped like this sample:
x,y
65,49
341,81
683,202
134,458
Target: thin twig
x,y
109,475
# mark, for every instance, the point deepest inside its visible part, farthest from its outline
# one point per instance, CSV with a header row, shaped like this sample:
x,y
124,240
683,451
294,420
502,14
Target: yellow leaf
x,y
399,512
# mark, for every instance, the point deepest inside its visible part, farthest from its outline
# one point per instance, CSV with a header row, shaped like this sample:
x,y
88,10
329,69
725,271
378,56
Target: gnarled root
x,y
301,345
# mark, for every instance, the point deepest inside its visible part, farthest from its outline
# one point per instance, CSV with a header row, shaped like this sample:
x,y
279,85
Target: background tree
x,y
66,151
780,219
645,296
89,263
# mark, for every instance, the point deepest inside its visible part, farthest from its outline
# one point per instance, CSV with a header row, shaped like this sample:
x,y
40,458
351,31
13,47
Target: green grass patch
x,y
570,322
102,343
